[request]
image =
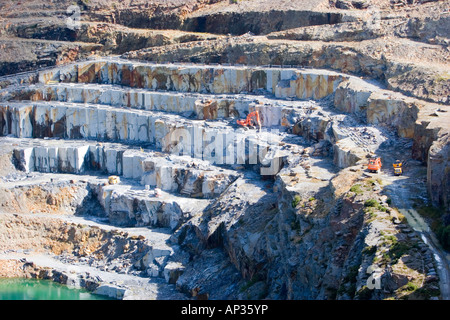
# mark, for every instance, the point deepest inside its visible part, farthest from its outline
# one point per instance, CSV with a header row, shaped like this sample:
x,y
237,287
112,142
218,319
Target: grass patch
x,y
397,250
389,240
371,203
443,77
428,211
296,201
356,188
372,215
370,183
400,217
409,287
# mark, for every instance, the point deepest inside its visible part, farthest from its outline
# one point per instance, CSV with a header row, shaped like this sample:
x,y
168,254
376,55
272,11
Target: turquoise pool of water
x,y
32,289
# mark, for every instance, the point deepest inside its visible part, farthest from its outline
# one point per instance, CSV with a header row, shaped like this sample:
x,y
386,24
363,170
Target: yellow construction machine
x,y
398,167
113,180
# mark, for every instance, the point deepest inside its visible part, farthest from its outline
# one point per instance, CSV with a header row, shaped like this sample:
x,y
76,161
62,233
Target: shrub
x,y
296,201
251,282
391,238
372,215
410,287
446,219
356,189
371,203
397,250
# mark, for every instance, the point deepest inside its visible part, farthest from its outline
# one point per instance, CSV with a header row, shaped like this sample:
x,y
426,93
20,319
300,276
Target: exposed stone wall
x,y
167,133
409,117
193,178
438,171
58,197
282,83
273,112
303,84
283,242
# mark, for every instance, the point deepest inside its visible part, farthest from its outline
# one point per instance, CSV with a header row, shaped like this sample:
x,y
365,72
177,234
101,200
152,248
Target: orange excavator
x,y
374,165
252,120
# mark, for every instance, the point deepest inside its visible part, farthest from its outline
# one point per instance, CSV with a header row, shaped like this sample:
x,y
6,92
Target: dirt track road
x,y
403,190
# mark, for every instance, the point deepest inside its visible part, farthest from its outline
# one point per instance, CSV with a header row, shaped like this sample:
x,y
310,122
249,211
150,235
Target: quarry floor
x,y
134,287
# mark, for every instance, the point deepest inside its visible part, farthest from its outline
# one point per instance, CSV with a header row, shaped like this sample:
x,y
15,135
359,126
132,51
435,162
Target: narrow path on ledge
x,y
402,190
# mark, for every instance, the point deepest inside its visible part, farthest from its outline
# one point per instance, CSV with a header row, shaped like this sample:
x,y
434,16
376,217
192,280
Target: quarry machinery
x,y
398,167
374,165
113,180
252,120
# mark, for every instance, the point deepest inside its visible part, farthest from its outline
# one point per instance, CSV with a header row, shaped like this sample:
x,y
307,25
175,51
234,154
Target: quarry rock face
x,y
437,170
280,82
131,175
186,153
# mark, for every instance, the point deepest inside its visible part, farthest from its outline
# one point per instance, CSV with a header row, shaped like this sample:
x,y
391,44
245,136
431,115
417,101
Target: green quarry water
x,y
32,289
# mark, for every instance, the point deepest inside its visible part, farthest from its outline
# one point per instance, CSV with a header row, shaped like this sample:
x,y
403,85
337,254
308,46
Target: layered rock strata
x,y
270,205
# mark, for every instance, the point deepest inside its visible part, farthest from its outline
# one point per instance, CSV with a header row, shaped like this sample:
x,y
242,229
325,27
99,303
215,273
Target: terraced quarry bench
x,y
173,127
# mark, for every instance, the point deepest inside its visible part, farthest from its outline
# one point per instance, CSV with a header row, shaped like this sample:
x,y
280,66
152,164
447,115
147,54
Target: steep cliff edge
x,y
342,242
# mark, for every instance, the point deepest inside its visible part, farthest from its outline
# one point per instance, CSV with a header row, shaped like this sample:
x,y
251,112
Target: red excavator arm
x,y
252,120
